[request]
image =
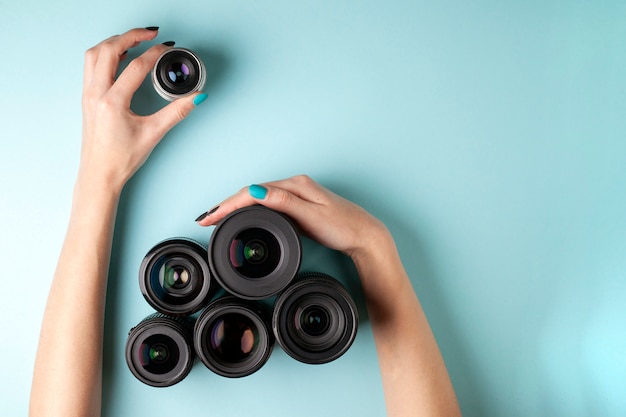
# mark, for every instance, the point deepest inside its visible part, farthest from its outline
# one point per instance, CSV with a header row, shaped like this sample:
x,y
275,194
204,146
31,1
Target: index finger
x,y
104,58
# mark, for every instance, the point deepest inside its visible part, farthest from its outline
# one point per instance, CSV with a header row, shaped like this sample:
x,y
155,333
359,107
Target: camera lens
x,y
315,320
159,350
178,73
255,252
175,278
232,337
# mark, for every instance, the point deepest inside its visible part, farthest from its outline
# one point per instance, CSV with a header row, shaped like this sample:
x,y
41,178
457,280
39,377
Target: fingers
x,y
275,195
101,61
133,75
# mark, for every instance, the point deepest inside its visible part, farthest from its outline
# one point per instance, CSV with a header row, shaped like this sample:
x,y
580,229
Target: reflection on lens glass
x,y
254,253
313,320
158,354
178,72
178,278
234,337
175,277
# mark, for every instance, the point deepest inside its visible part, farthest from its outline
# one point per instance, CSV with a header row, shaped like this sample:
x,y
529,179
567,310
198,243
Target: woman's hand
x,y
116,141
414,375
324,216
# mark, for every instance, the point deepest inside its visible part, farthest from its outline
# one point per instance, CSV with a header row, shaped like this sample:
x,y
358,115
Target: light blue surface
x,y
489,136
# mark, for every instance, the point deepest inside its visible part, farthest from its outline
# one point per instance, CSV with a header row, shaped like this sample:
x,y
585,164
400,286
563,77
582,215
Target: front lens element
x,y
313,320
255,253
233,338
178,72
174,276
158,354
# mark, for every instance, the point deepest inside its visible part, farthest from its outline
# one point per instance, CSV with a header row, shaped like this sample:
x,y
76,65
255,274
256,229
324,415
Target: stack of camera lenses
x,y
254,254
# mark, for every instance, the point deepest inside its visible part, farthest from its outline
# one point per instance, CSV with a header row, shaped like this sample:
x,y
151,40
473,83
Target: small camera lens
x,y
232,337
315,320
159,350
175,278
255,252
178,73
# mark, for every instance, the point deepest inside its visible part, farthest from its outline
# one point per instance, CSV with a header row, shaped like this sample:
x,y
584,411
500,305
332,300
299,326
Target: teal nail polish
x,y
199,99
257,191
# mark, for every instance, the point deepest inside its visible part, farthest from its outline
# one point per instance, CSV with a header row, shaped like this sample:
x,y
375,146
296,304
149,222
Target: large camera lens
x,y
255,252
175,278
178,73
159,350
232,337
315,320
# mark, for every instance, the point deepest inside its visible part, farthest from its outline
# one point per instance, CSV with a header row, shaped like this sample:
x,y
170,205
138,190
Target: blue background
x,y
489,137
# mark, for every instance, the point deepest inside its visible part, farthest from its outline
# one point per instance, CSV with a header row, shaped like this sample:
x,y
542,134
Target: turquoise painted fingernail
x,y
257,191
199,99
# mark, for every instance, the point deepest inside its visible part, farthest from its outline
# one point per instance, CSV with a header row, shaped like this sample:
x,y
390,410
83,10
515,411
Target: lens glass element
x,y
255,253
158,354
313,320
234,337
178,72
176,278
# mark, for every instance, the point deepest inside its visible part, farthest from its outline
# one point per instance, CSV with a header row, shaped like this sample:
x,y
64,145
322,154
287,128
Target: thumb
x,y
172,114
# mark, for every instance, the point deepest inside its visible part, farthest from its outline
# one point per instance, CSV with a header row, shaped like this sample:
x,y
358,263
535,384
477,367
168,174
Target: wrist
x,y
377,244
95,180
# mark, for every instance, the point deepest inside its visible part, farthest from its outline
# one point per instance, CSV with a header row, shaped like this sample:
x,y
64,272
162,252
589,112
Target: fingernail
x,y
207,214
169,43
199,99
257,191
152,28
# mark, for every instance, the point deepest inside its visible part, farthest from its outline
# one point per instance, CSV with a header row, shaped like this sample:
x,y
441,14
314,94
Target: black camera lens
x,y
232,337
255,252
159,350
175,278
315,320
178,73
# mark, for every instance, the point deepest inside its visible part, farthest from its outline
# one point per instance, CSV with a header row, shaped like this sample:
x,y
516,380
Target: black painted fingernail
x,y
169,43
152,28
206,214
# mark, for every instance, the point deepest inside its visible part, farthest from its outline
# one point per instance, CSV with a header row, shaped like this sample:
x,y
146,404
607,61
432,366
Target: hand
x,y
324,216
116,141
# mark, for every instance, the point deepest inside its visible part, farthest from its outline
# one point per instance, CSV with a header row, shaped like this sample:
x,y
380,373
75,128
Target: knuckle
x,y
91,54
282,198
303,179
136,65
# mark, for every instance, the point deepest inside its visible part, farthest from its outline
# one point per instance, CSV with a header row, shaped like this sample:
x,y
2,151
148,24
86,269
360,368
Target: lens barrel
x,y
232,337
159,350
175,278
178,72
315,320
255,252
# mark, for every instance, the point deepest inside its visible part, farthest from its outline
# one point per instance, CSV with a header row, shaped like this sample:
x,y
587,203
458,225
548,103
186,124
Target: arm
x,y
415,379
67,379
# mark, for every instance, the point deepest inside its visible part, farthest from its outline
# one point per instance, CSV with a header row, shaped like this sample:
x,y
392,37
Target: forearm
x,y
414,376
68,367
